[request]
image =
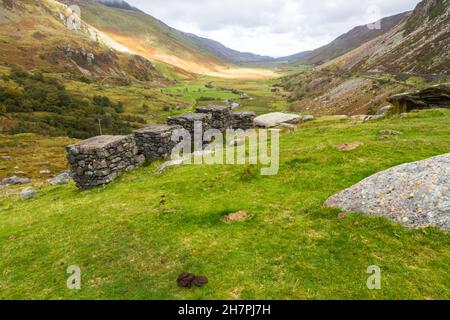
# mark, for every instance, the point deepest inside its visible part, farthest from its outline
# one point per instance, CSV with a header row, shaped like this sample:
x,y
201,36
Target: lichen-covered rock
x,y
221,118
243,120
100,160
275,119
413,194
28,193
155,142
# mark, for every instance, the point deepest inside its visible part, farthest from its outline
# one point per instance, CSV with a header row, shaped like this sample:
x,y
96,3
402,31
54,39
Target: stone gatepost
x,y
243,120
98,161
220,116
155,142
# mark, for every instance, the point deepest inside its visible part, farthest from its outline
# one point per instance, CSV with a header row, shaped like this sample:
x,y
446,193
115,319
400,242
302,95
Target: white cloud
x,y
270,27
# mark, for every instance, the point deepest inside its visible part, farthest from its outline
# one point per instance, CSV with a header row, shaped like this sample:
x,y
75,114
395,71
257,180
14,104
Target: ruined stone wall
x,y
188,121
221,118
243,120
100,160
155,142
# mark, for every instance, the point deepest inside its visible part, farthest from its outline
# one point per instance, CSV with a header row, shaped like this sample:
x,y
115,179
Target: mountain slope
x,y
41,35
120,4
420,44
409,56
228,54
153,39
350,40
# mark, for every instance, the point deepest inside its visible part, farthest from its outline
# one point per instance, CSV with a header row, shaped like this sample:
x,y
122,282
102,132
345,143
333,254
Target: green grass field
x,y
133,237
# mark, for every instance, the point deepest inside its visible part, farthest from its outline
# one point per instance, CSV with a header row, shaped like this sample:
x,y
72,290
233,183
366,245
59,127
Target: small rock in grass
x,y
240,216
15,180
28,193
63,178
307,118
349,146
6,158
44,172
187,280
385,110
390,132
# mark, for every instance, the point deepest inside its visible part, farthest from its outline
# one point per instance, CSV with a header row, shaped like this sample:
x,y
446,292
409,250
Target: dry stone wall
x,y
243,120
100,160
155,142
189,120
221,117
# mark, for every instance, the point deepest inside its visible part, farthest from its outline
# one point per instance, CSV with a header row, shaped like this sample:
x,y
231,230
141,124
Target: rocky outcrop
x,y
413,194
100,160
437,96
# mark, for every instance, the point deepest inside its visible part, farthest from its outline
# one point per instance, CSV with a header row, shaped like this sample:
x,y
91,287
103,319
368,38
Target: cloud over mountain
x,y
289,26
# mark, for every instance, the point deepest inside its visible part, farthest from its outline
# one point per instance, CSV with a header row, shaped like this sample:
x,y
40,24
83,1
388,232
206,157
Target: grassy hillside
x,y
148,36
132,238
35,36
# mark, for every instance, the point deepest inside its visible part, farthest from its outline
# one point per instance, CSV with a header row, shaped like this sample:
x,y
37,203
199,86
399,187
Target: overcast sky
x,y
271,27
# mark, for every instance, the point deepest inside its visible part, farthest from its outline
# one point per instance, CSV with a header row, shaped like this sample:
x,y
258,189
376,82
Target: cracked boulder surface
x,y
416,195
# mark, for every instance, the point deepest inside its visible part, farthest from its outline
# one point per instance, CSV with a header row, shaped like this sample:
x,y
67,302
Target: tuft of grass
x,y
133,237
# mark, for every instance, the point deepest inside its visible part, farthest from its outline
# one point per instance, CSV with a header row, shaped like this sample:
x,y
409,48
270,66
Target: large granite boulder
x,y
437,96
276,119
413,194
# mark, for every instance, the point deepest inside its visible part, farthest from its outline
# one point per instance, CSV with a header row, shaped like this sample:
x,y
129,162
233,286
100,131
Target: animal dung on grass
x,y
188,280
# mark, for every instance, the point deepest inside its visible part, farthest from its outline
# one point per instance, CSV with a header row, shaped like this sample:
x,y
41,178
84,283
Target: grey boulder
x,y
415,194
63,178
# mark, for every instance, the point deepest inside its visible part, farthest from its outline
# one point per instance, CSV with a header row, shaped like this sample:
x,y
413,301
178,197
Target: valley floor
x,y
132,238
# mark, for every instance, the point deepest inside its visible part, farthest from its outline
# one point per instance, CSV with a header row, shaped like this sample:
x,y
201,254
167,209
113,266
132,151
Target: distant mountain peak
x,y
119,4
